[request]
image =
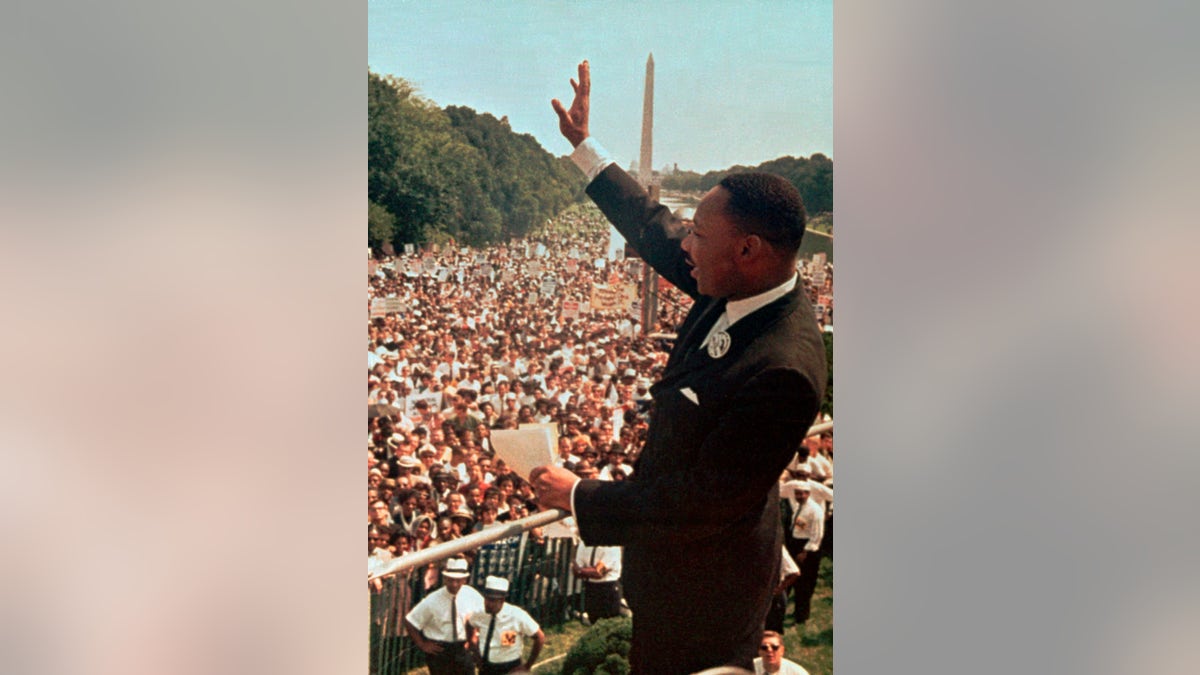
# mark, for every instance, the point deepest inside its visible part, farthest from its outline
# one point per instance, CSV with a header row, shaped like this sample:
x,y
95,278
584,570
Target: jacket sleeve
x,y
647,225
734,470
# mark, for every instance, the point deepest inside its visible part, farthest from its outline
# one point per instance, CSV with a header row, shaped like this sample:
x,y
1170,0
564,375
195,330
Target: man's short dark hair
x,y
766,205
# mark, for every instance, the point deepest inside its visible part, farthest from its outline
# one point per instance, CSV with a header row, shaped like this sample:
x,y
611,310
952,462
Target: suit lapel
x,y
694,329
687,357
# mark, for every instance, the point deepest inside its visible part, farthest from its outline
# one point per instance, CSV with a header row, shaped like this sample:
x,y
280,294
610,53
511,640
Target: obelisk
x,y
646,177
645,161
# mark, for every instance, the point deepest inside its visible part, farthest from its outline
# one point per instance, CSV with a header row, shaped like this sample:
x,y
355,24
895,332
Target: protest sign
x,y
611,298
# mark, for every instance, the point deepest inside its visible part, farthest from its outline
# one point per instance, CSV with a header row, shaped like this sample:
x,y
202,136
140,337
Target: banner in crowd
x,y
508,276
381,306
826,300
570,309
434,398
410,249
548,287
612,298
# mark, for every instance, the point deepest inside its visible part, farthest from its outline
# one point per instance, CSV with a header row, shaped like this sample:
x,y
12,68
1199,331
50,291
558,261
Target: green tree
x,y
454,173
418,168
380,224
603,649
812,176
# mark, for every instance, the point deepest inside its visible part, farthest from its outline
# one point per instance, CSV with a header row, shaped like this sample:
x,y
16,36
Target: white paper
x,y
524,449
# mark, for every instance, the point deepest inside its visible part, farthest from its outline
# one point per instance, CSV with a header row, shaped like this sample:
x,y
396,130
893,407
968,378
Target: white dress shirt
x,y
432,615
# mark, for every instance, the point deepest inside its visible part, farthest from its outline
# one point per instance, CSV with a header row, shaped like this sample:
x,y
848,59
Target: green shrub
x,y
603,649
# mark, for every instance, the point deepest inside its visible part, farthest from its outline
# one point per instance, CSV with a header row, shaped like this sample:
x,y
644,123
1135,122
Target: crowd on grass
x,y
462,341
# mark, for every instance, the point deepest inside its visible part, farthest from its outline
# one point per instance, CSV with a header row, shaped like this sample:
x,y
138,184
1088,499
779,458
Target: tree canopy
x,y
453,173
435,174
812,176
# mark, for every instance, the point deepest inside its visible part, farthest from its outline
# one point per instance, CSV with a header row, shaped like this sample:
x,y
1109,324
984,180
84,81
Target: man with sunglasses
x,y
770,657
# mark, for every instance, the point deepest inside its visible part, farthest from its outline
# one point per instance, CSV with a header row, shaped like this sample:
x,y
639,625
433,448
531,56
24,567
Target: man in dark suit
x,y
699,517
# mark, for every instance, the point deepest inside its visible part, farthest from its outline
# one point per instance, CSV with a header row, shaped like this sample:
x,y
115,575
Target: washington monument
x,y
645,161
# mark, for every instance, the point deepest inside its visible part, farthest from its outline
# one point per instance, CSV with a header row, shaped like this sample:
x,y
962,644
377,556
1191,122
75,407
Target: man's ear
x,y
752,247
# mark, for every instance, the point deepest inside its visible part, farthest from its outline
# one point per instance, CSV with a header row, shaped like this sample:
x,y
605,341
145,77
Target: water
x,y
616,242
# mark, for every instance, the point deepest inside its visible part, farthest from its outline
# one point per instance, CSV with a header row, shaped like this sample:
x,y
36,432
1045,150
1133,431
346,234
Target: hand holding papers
x,y
524,449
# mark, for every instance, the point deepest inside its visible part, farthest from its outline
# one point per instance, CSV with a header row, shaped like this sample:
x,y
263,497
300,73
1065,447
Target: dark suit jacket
x,y
699,518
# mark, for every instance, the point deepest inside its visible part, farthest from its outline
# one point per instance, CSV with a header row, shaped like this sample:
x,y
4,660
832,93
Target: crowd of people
x,y
463,341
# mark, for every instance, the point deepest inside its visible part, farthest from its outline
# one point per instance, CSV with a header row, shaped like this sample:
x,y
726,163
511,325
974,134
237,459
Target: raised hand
x,y
573,123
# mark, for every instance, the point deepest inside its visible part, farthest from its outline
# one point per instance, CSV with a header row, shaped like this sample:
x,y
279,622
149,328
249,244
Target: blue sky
x,y
735,82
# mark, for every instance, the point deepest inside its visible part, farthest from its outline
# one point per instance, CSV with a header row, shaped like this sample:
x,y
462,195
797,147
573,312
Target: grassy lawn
x,y
811,648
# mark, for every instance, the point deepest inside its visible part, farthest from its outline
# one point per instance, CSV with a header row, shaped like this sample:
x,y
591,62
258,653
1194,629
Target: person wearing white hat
x,y
498,633
438,624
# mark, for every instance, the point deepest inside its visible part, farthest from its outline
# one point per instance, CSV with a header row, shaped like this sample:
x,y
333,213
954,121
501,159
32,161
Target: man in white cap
x,y
498,633
438,624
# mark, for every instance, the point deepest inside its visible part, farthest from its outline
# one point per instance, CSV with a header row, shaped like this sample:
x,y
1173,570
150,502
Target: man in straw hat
x,y
438,624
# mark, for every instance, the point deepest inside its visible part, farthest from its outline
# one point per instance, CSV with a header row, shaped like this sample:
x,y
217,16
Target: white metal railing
x,y
447,549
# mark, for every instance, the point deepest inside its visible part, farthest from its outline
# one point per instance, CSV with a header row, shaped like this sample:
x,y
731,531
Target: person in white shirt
x,y
821,468
438,624
818,492
600,568
789,573
771,657
616,463
808,526
498,633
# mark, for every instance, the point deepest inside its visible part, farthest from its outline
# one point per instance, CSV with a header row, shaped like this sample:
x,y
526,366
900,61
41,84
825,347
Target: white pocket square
x,y
691,395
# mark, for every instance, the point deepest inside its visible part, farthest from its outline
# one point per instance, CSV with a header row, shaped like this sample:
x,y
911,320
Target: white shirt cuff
x,y
577,481
591,158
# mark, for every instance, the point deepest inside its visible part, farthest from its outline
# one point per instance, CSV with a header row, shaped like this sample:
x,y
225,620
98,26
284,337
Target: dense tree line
x,y
435,175
813,176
